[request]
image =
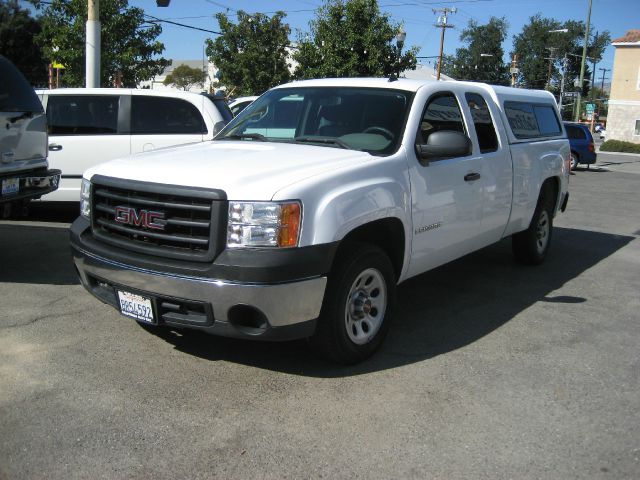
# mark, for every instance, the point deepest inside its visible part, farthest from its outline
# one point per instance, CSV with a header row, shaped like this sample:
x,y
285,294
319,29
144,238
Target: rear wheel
x,y
358,304
574,161
531,245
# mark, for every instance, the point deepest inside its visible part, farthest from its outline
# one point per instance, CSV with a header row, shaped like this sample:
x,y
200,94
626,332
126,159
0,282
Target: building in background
x,y
208,76
623,120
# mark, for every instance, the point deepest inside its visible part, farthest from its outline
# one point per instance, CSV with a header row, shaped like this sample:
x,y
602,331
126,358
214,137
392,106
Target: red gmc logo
x,y
140,218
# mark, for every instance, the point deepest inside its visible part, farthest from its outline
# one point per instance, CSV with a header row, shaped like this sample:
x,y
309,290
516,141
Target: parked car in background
x,y
240,103
583,150
24,172
88,126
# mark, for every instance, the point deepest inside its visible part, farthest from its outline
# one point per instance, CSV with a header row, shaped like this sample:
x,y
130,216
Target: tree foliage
x,y
128,42
542,51
184,77
251,55
17,30
350,39
482,58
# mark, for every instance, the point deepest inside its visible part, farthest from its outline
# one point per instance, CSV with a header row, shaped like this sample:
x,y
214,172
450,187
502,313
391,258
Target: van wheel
x,y
574,161
358,305
531,245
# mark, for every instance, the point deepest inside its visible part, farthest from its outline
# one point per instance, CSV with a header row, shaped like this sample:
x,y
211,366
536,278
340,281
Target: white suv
x,y
88,126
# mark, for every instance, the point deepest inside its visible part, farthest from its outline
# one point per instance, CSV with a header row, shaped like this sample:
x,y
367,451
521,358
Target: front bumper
x,y
281,310
30,185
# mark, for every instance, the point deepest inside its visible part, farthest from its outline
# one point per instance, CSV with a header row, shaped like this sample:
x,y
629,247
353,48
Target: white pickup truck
x,y
306,211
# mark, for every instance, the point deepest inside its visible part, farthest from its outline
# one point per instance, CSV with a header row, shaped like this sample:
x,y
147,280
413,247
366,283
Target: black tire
x,y
531,245
358,305
574,161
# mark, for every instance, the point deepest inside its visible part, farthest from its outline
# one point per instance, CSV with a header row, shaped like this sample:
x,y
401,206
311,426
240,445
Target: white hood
x,y
245,170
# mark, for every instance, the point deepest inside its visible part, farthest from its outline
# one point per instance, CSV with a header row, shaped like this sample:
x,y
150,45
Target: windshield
x,y
366,119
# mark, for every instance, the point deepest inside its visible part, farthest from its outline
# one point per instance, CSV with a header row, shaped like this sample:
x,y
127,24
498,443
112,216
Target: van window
x,y
82,114
529,120
163,115
485,130
442,113
575,133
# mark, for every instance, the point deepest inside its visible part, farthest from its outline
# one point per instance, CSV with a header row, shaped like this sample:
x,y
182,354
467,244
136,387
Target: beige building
x,y
623,120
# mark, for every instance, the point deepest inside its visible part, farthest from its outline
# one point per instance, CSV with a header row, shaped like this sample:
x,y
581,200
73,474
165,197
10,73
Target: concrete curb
x,y
618,153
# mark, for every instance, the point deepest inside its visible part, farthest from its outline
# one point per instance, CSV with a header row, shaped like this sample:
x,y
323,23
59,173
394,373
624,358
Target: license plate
x,y
10,186
136,306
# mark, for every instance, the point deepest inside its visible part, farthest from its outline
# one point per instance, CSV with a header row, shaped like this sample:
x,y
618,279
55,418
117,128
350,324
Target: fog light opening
x,y
248,319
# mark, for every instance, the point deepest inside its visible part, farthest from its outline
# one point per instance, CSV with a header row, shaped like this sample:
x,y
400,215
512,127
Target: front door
x,y
446,194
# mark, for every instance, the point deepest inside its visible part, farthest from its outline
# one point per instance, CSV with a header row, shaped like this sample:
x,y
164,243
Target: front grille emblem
x,y
140,218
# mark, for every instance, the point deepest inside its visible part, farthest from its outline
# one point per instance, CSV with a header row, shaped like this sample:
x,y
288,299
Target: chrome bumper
x,y
283,305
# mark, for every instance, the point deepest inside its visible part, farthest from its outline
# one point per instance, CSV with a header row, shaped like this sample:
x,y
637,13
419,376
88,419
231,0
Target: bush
x,y
620,146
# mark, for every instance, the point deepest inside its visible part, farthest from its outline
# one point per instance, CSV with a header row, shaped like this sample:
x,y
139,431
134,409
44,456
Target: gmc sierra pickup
x,y
303,215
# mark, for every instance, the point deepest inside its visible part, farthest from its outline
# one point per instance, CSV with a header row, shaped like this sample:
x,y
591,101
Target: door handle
x,y
54,147
470,177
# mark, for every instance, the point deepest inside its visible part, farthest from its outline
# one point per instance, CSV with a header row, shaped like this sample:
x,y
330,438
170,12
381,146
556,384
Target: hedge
x,y
620,146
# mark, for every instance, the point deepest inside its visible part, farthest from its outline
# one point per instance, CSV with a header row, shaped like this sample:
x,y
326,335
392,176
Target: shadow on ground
x,y
439,311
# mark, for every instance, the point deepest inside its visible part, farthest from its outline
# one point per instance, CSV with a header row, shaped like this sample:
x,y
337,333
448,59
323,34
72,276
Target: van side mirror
x,y
444,144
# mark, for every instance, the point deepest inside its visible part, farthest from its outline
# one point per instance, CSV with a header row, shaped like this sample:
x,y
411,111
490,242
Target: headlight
x,y
85,199
264,224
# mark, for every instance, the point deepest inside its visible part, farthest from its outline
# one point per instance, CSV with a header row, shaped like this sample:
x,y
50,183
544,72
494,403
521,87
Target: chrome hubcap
x,y
366,304
542,232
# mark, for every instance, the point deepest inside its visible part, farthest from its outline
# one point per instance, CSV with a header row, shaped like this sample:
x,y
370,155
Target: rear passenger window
x,y
442,113
528,120
82,114
159,115
485,131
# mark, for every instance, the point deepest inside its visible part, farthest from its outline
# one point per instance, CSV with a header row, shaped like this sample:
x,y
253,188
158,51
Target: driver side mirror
x,y
444,144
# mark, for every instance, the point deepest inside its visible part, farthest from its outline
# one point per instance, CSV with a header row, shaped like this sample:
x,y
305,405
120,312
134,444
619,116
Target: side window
x,y
82,114
442,113
485,130
547,120
164,115
529,120
575,133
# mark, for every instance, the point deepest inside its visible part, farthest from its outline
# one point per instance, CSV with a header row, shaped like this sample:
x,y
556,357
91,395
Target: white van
x,y
88,126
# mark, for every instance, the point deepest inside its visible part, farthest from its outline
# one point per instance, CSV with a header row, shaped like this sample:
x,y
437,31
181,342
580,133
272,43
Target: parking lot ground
x,y
491,370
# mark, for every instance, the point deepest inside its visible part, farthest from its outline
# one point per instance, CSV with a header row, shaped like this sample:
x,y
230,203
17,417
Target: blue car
x,y
583,150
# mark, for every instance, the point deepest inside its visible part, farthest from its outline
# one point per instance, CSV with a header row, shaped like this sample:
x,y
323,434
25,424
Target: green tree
x,y
184,77
17,30
482,58
128,42
542,51
251,56
351,39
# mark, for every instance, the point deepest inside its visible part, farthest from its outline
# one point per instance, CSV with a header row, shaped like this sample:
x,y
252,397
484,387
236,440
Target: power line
x,y
442,23
161,20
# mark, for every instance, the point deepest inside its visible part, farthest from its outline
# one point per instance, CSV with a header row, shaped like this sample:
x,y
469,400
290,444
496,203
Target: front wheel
x,y
358,305
531,245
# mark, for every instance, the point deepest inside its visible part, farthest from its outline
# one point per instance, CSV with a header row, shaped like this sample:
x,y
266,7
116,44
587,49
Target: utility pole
x,y
564,72
593,74
604,72
584,58
442,23
92,45
551,60
514,69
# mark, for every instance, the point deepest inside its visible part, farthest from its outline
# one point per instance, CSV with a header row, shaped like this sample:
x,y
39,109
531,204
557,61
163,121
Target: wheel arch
x,y
386,233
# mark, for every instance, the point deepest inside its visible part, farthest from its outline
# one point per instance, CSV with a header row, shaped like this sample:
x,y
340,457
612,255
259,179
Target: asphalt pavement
x,y
491,370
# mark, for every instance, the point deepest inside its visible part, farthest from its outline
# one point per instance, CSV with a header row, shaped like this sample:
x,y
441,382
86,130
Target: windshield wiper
x,y
241,136
325,140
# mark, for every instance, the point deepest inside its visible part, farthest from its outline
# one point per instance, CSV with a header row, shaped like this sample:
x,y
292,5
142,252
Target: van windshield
x,y
366,119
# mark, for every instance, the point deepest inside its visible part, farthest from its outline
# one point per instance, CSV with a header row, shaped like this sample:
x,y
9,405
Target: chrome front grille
x,y
156,219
